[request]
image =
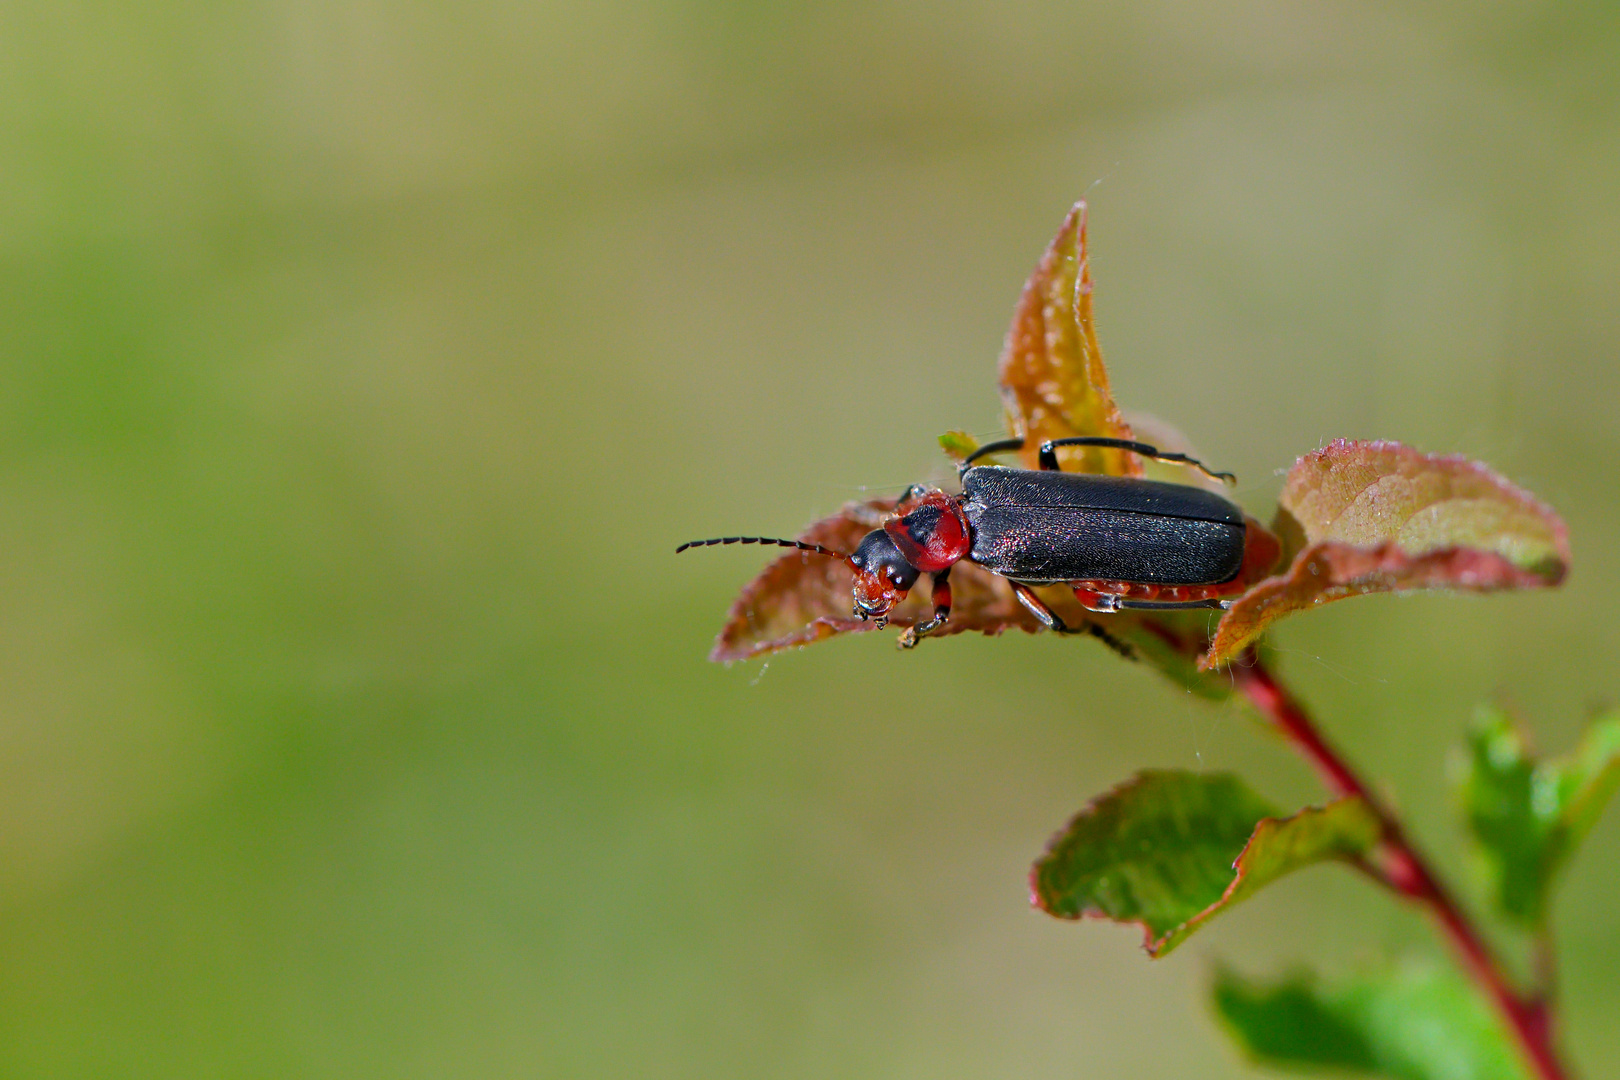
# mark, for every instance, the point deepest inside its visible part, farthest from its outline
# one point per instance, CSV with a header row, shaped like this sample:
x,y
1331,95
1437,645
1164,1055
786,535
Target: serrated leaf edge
x,y
1158,947
1264,829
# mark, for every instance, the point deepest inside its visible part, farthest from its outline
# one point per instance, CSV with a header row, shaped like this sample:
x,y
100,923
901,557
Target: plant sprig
x,y
1168,851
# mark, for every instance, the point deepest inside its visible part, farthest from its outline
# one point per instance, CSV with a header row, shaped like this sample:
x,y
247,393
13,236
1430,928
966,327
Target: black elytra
x,y
1048,527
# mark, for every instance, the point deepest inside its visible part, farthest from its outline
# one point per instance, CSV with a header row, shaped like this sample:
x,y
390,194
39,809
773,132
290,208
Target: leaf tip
x,y
958,444
1362,517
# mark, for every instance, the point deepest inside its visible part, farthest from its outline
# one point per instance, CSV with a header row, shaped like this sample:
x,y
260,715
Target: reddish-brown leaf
x,y
1367,493
1381,517
1053,383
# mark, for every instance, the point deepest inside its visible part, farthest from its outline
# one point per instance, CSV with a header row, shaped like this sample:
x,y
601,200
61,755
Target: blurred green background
x,y
361,364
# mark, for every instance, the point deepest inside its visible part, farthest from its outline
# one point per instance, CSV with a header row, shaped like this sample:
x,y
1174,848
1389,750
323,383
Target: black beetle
x,y
1120,543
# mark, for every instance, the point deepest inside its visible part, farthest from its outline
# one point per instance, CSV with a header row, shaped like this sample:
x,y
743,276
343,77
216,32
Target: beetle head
x,y
883,577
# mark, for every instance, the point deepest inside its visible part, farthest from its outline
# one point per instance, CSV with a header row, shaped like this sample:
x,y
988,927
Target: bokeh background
x,y
361,364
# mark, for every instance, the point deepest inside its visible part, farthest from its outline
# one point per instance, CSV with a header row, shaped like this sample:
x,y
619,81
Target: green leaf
x,y
1367,517
1529,816
1171,850
1410,1023
958,445
1344,829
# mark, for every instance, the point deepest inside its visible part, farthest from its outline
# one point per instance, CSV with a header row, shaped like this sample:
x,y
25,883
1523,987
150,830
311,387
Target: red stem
x,y
1528,1017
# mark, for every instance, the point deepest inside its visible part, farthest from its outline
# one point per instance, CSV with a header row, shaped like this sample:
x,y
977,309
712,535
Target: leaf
x,y
1156,850
958,444
1366,493
1171,850
1326,572
1410,1023
1053,383
800,598
1529,816
1382,517
1345,829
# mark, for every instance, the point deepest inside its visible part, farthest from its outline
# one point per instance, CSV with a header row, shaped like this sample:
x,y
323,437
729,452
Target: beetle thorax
x,y
930,530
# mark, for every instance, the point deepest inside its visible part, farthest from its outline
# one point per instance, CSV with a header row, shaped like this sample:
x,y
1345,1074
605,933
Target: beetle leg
x,y
1105,603
1050,619
942,611
1172,605
1037,607
1123,648
1092,600
1049,459
911,491
942,603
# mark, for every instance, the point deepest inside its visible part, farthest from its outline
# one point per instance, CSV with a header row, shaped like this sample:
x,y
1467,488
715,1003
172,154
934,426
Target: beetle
x,y
1120,543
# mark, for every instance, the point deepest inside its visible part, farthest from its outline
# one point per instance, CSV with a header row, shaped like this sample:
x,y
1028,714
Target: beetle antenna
x,y
800,544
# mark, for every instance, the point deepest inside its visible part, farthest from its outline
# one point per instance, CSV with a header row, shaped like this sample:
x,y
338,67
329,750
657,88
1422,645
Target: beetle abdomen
x,y
1051,526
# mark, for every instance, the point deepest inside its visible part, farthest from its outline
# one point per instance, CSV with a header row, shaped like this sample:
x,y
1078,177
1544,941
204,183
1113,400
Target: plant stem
x,y
1528,1017
1544,965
